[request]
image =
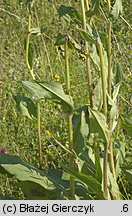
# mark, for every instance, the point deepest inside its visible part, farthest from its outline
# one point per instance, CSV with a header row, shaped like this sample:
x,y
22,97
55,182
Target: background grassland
x,y
18,134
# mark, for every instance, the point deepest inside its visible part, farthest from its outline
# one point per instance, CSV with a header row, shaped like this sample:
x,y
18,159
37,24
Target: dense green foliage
x,y
36,75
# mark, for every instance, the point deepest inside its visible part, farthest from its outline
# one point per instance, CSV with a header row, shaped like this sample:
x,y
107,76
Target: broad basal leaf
x,y
33,191
26,106
24,172
49,180
52,91
98,125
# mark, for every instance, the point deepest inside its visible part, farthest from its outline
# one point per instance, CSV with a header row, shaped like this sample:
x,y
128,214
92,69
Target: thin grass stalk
x,y
33,77
109,50
86,50
109,54
103,78
70,129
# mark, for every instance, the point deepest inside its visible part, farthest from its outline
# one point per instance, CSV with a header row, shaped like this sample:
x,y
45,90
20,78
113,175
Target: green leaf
x,y
94,57
116,91
119,73
87,36
116,10
113,110
50,90
61,38
80,133
98,174
24,172
98,125
94,8
97,96
92,184
26,106
50,180
113,186
69,14
126,123
127,170
34,191
119,155
112,105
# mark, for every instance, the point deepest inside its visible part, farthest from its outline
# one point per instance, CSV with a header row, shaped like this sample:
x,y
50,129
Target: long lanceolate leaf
x,y
52,91
50,181
98,125
81,130
92,184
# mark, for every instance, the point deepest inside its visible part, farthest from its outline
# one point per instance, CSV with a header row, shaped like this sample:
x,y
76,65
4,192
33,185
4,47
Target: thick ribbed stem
x,y
33,77
86,50
109,54
70,129
103,78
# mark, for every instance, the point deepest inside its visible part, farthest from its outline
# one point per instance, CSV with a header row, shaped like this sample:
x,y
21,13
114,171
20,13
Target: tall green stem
x,y
27,48
39,135
109,54
87,4
33,77
70,130
86,50
109,58
103,78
